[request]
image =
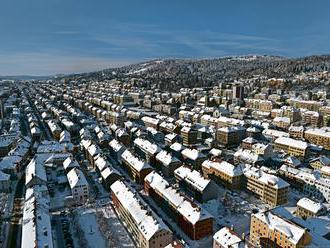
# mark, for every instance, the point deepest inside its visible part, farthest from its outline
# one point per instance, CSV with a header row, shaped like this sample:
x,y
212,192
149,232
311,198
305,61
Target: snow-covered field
x,y
100,227
88,223
234,209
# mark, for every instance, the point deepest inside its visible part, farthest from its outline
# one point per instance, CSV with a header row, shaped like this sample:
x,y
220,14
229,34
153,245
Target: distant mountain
x,y
24,77
171,74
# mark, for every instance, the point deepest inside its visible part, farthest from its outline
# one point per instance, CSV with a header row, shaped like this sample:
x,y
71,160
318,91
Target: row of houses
x,y
195,221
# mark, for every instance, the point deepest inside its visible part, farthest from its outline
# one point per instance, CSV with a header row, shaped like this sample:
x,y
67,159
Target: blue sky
x,y
42,37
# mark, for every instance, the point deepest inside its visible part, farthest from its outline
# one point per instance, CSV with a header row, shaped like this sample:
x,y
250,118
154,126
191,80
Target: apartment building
x,y
282,122
78,185
310,105
193,220
191,181
268,229
320,162
117,118
264,150
55,129
312,118
248,142
230,136
296,132
36,220
136,168
167,163
144,225
318,136
292,113
223,173
311,184
269,188
192,157
150,122
227,238
189,136
307,208
147,150
116,149
291,146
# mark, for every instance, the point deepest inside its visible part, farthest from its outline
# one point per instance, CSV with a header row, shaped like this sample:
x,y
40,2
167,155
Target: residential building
x,y
193,157
296,132
78,185
223,173
291,146
189,136
230,136
137,168
307,208
198,187
36,223
269,188
227,238
318,136
167,163
319,162
147,150
267,229
192,218
145,227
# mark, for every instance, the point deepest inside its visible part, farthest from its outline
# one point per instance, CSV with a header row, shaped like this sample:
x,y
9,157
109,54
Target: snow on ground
x,y
88,224
233,209
59,194
117,230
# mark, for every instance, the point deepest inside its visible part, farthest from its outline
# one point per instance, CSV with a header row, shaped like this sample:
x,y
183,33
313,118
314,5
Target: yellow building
x,y
224,173
291,146
318,136
146,228
307,208
320,162
268,229
296,132
269,188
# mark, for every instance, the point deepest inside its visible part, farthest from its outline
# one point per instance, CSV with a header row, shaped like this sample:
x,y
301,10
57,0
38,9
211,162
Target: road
x,y
15,227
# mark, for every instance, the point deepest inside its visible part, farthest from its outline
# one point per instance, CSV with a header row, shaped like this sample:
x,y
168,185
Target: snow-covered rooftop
x,y
147,146
228,238
265,178
193,177
36,225
224,167
134,161
292,231
192,154
76,178
147,221
166,158
193,212
310,205
291,142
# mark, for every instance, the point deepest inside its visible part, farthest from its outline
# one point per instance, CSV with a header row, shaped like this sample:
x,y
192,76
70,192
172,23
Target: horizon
x,y
150,60
61,37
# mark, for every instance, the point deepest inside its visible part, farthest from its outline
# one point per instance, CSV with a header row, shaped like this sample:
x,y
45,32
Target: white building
x,y
227,238
36,224
146,228
78,185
